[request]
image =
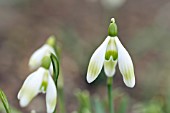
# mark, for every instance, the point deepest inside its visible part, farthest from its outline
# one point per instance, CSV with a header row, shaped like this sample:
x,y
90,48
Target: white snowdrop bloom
x,y
112,4
39,81
108,54
37,56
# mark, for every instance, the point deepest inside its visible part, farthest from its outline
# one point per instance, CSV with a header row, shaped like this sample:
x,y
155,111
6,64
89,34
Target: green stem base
x,y
110,94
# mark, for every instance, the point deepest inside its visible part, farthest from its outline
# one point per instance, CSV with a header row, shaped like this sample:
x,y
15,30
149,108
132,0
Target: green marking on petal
x,y
109,67
113,54
129,77
93,67
128,73
111,50
52,103
44,84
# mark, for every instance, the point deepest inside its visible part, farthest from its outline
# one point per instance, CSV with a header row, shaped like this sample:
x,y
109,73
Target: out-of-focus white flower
x,y
39,81
108,54
33,111
36,58
112,4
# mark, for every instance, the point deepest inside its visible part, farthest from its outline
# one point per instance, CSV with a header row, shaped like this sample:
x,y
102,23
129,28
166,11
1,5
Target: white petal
x,y
125,65
37,56
109,67
111,50
96,61
51,95
30,87
51,69
111,44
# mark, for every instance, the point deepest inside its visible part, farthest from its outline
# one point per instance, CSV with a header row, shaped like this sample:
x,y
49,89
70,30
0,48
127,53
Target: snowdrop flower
x,y
112,4
39,81
109,53
37,56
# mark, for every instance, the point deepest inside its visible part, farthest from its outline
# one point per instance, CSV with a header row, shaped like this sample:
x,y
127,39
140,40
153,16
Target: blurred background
x,y
80,26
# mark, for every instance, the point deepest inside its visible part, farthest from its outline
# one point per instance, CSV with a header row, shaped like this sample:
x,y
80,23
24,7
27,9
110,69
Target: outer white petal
x,y
51,95
96,61
51,69
109,67
30,87
37,56
125,64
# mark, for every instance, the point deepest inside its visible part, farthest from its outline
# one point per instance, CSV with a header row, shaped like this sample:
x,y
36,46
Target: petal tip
x,y
131,86
130,83
24,102
89,79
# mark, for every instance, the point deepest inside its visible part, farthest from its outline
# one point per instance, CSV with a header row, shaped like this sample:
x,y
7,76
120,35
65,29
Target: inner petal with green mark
x,y
44,84
111,50
109,67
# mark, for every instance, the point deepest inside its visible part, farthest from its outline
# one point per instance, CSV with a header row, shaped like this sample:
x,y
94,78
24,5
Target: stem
x,y
110,94
61,100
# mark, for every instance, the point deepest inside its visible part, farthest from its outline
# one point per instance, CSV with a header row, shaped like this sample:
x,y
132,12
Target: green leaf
x,y
56,68
5,101
123,105
84,101
98,106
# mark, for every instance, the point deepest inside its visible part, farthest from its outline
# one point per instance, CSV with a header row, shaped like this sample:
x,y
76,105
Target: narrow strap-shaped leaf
x,y
56,70
56,67
123,105
98,106
5,101
84,101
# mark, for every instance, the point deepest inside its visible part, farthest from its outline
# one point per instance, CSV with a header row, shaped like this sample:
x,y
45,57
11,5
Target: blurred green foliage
x,y
88,104
4,105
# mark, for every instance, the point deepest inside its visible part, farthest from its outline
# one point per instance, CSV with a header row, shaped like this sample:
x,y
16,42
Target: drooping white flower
x,y
36,58
109,53
39,81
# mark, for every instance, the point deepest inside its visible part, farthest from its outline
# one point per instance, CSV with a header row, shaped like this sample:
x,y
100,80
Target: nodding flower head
x,y
108,54
41,80
37,82
36,58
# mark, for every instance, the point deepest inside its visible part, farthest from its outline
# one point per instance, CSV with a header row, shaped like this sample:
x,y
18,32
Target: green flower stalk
x,y
108,54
